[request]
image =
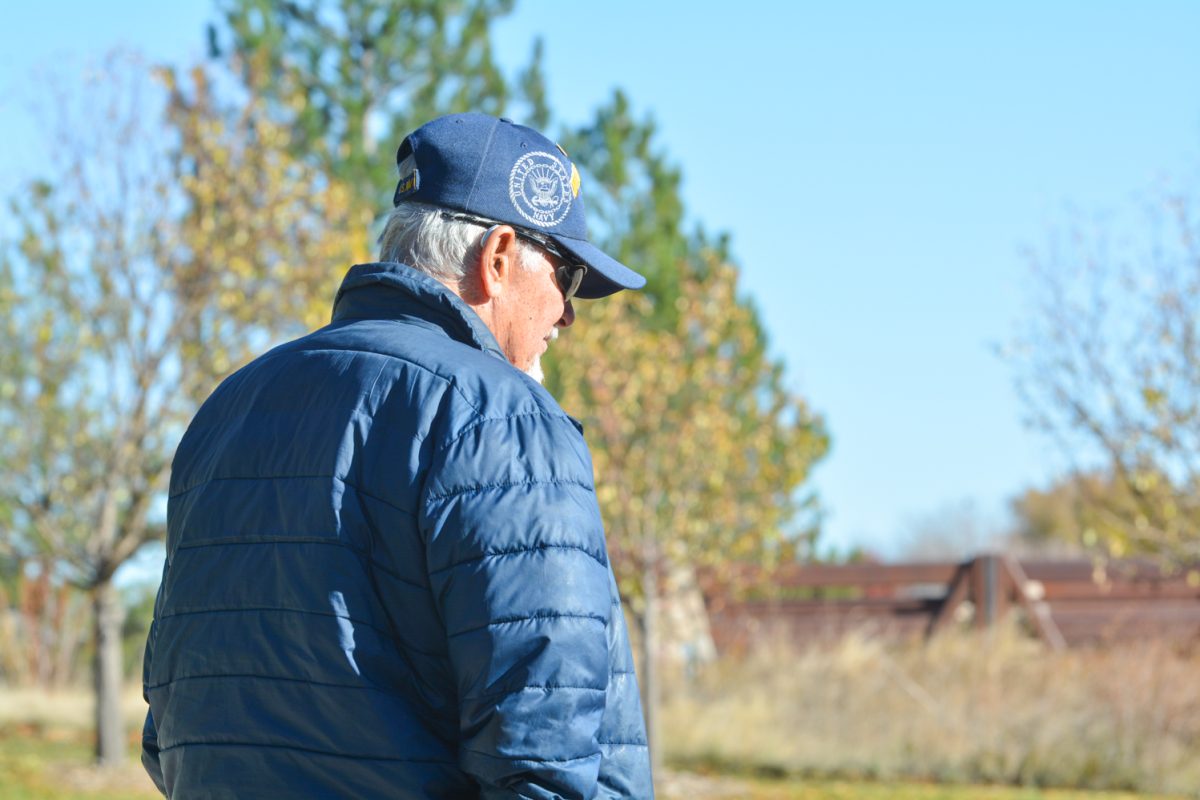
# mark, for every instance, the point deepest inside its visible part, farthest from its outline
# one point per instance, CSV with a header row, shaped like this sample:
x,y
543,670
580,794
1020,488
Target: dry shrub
x,y
70,709
992,707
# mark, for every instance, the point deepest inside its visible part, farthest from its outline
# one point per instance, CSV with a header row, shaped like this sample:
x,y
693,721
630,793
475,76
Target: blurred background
x,y
898,451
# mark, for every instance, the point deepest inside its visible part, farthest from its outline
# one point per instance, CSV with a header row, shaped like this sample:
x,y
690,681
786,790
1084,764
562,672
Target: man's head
x,y
517,286
493,210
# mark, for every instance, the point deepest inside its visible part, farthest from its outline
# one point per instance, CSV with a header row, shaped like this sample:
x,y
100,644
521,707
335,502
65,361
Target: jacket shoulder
x,y
482,386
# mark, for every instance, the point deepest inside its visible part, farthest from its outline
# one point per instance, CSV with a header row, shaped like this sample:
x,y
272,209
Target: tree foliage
x,y
1084,512
1109,366
353,77
179,238
700,449
139,277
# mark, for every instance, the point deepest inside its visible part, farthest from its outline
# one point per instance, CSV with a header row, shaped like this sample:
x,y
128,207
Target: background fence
x,y
1065,603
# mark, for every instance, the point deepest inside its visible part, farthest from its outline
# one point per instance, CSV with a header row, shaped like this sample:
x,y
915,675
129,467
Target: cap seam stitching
x,y
479,170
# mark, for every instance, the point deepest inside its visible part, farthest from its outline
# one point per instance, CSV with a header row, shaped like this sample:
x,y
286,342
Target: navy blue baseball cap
x,y
504,172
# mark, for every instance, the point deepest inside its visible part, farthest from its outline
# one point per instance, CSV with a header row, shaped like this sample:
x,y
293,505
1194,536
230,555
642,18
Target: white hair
x,y
419,235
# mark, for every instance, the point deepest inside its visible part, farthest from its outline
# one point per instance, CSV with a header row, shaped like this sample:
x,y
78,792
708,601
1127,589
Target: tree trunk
x,y
107,672
649,673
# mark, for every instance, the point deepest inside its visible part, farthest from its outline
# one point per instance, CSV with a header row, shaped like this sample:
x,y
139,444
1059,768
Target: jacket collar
x,y
391,290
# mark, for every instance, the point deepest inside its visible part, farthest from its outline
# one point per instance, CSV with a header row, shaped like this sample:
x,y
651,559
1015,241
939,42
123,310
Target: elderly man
x,y
386,572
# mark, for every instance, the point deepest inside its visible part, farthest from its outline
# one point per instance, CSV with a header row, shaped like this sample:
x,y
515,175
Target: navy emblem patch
x,y
540,189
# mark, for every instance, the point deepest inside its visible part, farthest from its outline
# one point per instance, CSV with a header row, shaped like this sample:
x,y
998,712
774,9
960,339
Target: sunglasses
x,y
568,272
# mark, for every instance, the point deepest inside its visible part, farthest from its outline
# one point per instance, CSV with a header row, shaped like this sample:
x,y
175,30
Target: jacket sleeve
x,y
149,730
517,564
150,753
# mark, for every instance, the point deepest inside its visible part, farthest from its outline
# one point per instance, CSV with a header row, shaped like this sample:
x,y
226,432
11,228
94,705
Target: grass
x,y
45,749
40,765
690,786
843,790
964,709
37,767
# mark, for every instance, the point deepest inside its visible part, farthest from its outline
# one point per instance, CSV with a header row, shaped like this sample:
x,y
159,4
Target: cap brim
x,y
605,274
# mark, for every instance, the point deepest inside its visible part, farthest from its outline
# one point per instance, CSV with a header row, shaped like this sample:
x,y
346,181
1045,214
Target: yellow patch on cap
x,y
407,185
574,180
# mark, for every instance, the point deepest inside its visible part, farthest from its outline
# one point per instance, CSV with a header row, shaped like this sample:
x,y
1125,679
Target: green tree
x,y
700,451
1084,512
693,321
178,238
354,77
1108,365
634,202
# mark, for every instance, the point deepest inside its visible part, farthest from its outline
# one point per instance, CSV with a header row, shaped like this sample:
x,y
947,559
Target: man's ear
x,y
497,261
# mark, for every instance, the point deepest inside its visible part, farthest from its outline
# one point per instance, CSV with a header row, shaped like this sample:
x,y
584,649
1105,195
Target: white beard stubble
x,y
535,369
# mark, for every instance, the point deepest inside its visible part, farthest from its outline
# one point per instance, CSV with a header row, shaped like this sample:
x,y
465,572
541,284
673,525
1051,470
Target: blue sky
x,y
880,167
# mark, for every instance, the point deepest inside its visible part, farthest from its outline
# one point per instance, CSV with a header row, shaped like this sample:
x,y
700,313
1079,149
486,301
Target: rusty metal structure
x,y
1063,603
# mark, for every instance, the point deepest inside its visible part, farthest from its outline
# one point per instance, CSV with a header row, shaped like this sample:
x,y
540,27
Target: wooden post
x,y
956,591
1038,612
978,593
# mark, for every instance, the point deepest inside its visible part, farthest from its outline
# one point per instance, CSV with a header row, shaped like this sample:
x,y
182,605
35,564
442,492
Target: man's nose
x,y
568,316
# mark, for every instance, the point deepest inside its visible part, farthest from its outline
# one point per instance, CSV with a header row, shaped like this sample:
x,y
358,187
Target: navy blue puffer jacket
x,y
386,576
